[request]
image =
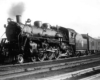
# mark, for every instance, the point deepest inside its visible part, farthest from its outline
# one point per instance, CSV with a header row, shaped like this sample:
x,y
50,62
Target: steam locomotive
x,y
39,42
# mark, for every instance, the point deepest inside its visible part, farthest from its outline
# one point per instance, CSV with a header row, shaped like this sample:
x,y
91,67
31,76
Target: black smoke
x,y
16,9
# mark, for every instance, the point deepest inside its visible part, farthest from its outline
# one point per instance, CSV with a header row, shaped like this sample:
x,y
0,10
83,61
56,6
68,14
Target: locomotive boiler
x,y
36,42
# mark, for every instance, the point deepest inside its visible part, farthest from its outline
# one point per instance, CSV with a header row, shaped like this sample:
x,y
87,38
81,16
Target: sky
x,y
81,15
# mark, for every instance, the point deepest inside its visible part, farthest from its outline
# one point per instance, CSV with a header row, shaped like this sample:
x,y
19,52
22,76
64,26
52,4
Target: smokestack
x,y
18,18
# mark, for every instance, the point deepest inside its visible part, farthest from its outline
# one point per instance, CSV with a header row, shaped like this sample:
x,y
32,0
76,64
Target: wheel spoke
x,y
57,54
41,56
50,55
33,59
20,58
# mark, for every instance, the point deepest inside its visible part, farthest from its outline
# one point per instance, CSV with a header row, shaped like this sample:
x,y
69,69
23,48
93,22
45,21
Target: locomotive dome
x,y
38,23
46,25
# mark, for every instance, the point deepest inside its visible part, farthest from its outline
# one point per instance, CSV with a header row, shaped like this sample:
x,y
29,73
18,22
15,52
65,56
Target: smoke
x,y
16,9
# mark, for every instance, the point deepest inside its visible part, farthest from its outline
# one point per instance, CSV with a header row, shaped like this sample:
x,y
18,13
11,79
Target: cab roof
x,y
67,29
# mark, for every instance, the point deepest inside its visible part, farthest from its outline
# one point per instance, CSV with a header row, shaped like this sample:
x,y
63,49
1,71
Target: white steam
x,y
16,9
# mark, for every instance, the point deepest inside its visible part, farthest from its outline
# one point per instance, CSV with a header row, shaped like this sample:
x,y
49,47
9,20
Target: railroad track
x,y
76,75
52,61
23,71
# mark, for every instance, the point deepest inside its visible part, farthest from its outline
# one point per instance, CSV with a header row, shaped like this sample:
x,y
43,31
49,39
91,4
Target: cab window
x,y
71,34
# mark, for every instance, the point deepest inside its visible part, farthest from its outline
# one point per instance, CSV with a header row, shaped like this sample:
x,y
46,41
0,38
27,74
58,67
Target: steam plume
x,y
16,9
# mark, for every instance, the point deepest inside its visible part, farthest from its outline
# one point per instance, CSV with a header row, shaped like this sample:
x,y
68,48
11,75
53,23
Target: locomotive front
x,y
13,29
11,50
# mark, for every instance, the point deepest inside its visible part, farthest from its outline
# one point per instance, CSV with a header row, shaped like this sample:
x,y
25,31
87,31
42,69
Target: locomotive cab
x,y
68,39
